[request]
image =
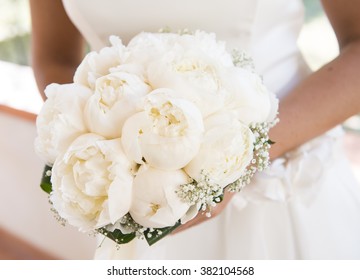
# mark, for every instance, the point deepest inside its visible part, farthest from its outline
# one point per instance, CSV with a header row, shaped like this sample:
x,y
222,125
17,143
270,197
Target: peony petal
x,y
60,120
247,95
92,182
167,135
118,96
226,151
97,64
133,129
155,203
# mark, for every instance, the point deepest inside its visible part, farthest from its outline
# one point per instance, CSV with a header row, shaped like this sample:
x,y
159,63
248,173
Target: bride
x,y
307,204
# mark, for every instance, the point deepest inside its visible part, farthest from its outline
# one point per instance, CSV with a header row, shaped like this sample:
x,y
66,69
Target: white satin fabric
x,y
307,204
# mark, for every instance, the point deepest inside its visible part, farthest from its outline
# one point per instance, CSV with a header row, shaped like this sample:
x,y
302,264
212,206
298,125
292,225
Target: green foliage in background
x,y
15,31
16,49
313,9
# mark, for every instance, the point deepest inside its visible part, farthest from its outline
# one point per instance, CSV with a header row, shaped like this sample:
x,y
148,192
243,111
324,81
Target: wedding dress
x,y
307,204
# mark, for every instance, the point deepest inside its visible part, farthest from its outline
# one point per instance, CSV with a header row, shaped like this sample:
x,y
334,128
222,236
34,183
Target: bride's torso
x,y
268,30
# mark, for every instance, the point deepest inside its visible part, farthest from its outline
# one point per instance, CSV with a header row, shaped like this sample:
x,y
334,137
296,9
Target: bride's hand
x,y
201,216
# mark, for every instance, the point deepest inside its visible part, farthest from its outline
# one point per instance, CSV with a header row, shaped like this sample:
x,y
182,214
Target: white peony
x,y
92,182
117,96
209,45
192,76
60,120
167,135
247,95
194,68
146,47
155,202
226,151
97,64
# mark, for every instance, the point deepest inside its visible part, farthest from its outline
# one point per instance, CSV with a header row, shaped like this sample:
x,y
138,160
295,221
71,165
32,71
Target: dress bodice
x,y
268,30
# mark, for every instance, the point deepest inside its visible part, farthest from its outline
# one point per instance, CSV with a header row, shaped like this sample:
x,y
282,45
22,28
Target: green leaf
x,y
270,142
45,183
118,236
155,235
151,237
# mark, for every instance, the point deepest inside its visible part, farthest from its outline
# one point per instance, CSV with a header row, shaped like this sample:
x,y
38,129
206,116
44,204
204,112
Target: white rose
x,y
60,120
117,96
193,68
92,182
97,64
155,202
167,135
248,96
226,151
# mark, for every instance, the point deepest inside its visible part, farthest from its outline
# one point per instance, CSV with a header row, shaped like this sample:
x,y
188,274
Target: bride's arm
x,y
329,96
57,46
323,100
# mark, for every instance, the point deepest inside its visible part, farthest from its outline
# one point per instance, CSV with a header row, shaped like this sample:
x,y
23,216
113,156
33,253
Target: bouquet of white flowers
x,y
152,133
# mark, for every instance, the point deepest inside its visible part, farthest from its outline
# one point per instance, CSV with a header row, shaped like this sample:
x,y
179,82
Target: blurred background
x,y
27,228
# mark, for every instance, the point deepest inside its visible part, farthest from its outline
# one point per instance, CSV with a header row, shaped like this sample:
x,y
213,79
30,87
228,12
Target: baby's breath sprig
x,y
244,180
57,216
123,231
261,159
202,192
165,29
128,223
184,31
261,145
242,59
